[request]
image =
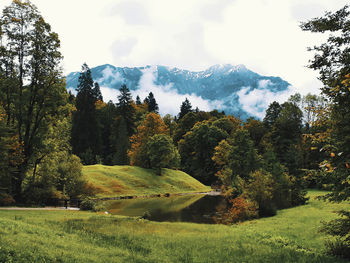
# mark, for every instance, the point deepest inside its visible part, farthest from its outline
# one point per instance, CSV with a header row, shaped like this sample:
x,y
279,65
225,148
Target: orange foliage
x,y
99,104
243,209
152,125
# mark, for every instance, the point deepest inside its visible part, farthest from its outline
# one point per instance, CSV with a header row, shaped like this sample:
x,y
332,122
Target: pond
x,y
197,208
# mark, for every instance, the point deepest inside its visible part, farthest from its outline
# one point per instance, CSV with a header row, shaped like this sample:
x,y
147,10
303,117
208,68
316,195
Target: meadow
x,y
75,236
123,180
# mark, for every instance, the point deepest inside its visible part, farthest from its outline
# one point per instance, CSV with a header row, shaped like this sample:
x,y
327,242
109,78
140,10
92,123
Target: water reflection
x,y
187,208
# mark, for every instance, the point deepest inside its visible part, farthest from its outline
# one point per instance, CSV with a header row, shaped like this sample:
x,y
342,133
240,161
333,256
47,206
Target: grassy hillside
x,y
67,236
111,181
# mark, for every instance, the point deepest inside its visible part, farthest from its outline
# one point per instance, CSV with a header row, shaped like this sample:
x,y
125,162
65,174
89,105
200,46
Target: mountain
x,y
234,89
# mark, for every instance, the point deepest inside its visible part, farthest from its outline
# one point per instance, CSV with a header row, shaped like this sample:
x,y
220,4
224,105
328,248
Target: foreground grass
x,y
111,181
66,236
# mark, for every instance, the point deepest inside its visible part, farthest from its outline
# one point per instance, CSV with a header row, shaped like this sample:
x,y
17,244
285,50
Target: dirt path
x,y
38,208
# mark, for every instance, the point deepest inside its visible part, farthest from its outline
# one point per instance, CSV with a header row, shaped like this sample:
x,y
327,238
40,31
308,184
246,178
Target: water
x,y
186,208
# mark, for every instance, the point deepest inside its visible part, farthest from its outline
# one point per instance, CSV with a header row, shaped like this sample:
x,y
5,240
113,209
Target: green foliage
x,y
340,228
162,152
184,125
197,148
185,108
243,157
272,114
86,134
331,60
260,189
88,205
151,103
32,85
120,142
126,110
152,125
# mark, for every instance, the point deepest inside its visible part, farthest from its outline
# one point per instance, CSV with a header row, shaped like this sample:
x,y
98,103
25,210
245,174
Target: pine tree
x,y
138,100
126,109
97,92
86,139
121,143
185,108
151,102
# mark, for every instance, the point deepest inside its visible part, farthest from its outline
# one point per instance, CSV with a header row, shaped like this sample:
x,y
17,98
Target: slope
x,y
113,181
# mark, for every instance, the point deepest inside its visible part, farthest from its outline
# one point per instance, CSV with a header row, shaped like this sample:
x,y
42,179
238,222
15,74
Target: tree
x,y
138,100
107,116
151,102
33,90
152,125
333,64
126,109
260,188
197,148
86,136
162,152
243,157
256,130
185,108
286,135
170,122
272,114
120,142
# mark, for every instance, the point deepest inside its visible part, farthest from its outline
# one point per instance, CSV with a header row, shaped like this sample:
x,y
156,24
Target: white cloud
x,y
109,94
110,75
190,34
256,101
169,101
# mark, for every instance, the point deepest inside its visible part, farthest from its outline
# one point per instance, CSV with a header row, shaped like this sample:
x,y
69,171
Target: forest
x,y
47,134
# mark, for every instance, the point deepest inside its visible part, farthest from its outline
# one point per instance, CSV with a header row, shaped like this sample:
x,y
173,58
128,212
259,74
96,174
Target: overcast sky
x,y
264,35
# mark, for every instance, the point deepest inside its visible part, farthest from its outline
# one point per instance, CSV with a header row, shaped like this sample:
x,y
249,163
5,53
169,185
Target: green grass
x,y
67,236
113,181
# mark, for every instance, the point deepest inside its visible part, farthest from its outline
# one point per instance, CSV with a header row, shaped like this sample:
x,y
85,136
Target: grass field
x,y
67,236
113,181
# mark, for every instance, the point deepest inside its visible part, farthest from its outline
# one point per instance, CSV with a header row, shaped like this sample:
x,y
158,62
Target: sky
x,y
264,35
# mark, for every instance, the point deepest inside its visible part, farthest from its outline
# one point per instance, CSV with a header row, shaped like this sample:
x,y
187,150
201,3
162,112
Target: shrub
x,y
88,205
6,199
340,228
242,209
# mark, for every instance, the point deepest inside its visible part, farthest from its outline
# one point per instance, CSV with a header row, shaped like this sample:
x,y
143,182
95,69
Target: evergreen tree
x,y
107,118
151,102
86,139
96,91
185,108
138,100
121,143
126,109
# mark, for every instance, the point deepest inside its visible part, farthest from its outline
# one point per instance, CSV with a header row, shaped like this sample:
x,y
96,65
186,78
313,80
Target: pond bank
x,y
213,193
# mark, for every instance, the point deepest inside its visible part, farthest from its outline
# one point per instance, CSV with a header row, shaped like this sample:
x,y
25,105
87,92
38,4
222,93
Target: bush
x,y
242,210
339,248
340,228
88,205
6,199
